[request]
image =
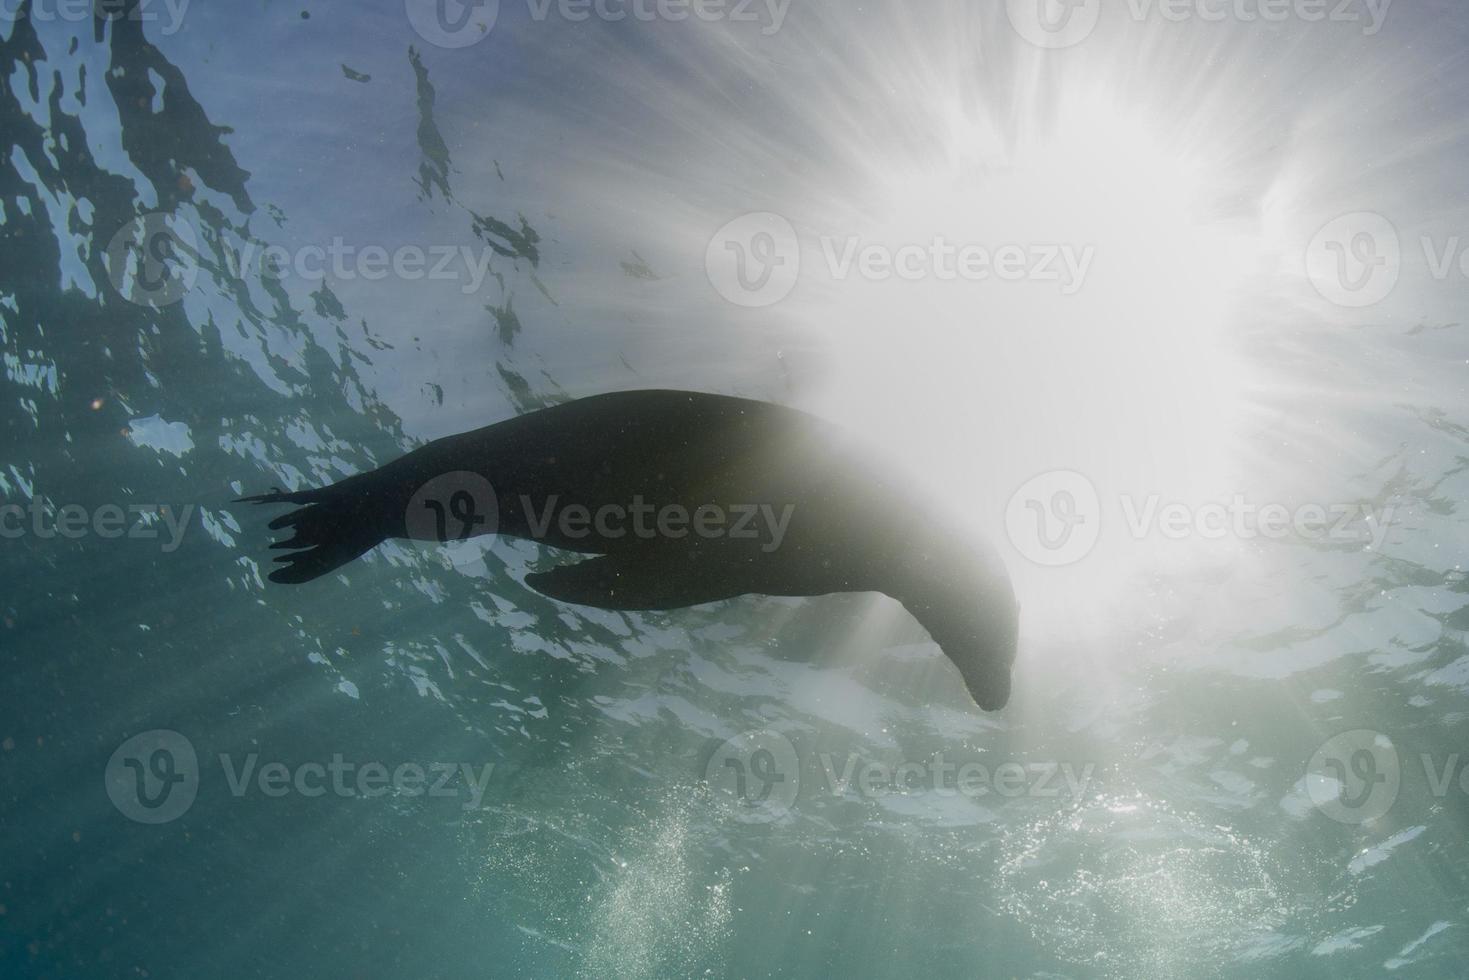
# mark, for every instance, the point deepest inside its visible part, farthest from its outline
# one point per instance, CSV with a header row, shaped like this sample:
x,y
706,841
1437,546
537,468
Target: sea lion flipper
x,y
652,581
329,530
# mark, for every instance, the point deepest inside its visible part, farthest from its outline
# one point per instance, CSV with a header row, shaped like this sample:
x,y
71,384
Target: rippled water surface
x,y
260,244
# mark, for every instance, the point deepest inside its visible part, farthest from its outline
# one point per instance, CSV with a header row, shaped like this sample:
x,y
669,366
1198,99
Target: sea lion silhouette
x,y
684,499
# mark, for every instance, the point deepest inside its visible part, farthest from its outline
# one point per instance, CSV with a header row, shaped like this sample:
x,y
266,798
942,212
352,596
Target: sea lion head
x,y
967,604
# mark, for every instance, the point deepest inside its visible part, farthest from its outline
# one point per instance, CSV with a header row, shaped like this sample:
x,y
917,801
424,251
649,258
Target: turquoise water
x,y
1227,756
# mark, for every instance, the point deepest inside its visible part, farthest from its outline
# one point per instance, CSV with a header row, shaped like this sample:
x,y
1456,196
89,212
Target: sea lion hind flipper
x,y
323,558
326,534
279,496
330,527
632,584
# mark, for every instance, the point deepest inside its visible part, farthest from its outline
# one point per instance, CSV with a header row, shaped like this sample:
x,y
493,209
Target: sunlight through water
x,y
1105,302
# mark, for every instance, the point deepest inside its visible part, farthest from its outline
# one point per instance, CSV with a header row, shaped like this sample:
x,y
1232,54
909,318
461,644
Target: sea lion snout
x,y
984,652
975,621
989,687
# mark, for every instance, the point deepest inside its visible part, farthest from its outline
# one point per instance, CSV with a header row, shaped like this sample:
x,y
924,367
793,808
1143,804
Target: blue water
x,y
419,768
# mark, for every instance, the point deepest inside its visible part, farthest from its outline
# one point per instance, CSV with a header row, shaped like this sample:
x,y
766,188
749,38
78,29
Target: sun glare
x,y
1089,340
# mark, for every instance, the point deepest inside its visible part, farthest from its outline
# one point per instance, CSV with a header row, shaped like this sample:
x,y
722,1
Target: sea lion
x,y
684,499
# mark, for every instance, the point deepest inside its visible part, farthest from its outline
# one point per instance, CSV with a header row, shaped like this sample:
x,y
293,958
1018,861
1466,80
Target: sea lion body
x,y
684,498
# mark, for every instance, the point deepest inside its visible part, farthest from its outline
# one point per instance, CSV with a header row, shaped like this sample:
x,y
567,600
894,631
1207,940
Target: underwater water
x,y
1215,419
